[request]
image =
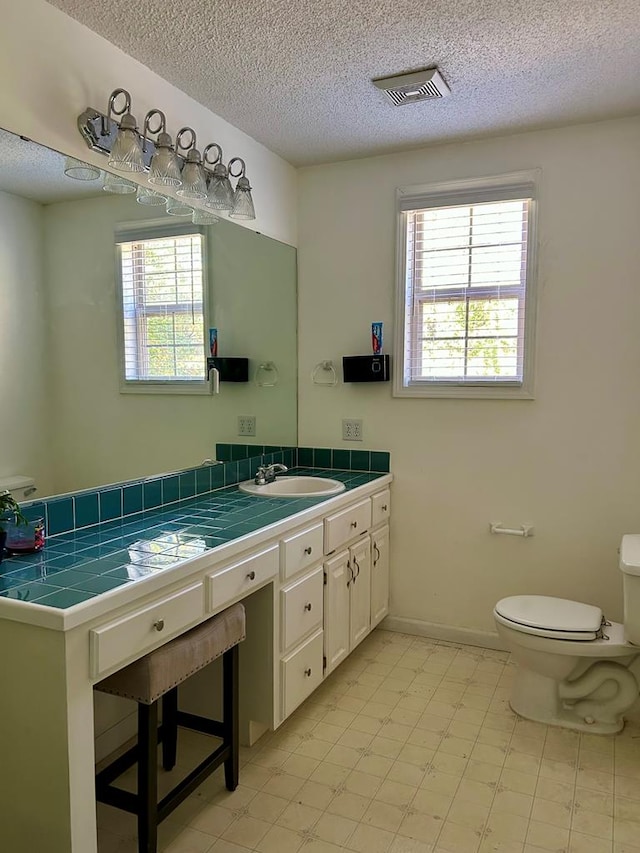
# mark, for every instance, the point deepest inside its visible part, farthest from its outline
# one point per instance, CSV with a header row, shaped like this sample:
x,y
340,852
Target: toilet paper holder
x,y
523,530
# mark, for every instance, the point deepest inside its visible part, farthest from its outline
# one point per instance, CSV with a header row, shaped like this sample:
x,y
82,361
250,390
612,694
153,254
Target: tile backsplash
x,y
236,462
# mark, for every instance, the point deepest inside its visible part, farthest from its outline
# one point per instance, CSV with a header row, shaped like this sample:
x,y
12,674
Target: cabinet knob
x,y
308,550
307,672
308,606
251,576
384,507
158,624
354,524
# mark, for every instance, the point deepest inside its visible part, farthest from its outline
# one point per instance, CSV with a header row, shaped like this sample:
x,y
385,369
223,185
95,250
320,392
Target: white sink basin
x,y
294,487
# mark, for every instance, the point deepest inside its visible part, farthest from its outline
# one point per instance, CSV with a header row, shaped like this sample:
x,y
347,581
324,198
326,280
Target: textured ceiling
x,y
33,171
296,75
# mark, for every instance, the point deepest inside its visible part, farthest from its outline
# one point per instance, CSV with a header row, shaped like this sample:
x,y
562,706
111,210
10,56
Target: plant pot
x,y
3,539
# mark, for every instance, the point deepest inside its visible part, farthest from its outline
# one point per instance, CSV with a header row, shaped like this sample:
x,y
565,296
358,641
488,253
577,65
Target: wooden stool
x,y
155,676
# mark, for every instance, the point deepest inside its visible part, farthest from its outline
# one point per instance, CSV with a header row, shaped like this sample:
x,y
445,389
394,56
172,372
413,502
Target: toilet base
x,y
536,697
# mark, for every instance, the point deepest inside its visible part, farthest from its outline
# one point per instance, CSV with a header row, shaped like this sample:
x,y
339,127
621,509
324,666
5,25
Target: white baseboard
x,y
436,631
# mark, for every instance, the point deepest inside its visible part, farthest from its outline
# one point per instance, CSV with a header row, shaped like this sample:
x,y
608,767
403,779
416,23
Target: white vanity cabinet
x,y
313,585
301,616
347,601
379,574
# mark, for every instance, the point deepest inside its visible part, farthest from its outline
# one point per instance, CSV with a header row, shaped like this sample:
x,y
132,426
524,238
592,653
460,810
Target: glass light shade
x,y
150,197
79,170
194,184
220,189
126,154
177,207
165,166
118,184
203,217
242,202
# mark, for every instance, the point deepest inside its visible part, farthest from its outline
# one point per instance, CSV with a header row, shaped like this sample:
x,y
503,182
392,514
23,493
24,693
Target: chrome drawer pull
x,y
307,672
308,606
308,550
158,624
251,576
377,554
354,524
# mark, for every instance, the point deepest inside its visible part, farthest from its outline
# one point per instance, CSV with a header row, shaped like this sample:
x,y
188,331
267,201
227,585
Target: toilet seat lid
x,y
557,616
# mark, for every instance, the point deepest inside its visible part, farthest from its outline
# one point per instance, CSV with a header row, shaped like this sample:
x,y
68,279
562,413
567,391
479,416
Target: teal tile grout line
x,y
90,507
77,566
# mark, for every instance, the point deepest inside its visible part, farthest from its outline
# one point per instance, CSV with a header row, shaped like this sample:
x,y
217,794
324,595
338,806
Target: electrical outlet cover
x,y
351,429
246,425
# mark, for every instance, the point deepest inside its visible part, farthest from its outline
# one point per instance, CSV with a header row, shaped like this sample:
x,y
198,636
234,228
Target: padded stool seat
x,y
157,676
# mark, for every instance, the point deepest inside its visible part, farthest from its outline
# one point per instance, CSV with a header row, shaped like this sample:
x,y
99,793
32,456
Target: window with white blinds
x,y
465,291
163,308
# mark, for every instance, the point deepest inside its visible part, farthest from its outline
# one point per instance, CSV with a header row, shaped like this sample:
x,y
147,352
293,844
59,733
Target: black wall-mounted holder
x,y
365,368
230,369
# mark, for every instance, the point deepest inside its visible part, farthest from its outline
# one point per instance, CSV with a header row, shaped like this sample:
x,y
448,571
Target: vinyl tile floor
x,y
409,747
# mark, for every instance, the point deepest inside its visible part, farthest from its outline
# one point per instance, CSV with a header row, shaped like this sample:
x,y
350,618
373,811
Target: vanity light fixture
x,y
117,184
204,217
182,170
146,195
164,169
220,189
194,183
126,154
80,171
242,201
178,207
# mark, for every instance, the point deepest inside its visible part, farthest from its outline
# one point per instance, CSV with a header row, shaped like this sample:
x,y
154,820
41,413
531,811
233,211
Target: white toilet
x,y
20,488
572,663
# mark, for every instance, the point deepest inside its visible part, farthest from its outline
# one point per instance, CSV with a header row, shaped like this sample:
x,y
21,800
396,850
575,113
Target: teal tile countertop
x,y
75,567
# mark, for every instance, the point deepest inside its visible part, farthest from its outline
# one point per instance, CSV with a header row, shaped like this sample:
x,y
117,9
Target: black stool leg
x,y
231,715
148,778
169,729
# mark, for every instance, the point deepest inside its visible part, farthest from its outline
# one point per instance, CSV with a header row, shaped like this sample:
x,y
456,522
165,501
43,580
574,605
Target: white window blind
x,y
465,288
163,307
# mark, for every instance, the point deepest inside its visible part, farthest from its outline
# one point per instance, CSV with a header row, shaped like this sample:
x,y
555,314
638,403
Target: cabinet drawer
x,y
301,608
380,507
300,551
134,635
301,673
225,585
346,525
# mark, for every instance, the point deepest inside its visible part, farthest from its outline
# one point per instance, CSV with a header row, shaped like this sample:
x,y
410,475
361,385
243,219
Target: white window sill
x,y
465,392
148,387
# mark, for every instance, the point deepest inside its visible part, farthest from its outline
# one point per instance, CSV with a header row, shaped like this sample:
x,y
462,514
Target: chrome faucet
x,y
267,473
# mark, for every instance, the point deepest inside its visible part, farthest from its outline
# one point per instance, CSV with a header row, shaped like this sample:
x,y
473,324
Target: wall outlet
x,y
351,429
246,425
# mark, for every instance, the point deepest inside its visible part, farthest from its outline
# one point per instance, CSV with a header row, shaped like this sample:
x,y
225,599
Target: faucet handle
x,y
261,476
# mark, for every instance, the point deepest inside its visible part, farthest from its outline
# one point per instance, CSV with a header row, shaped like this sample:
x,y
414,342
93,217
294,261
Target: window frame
x,y
154,229
451,193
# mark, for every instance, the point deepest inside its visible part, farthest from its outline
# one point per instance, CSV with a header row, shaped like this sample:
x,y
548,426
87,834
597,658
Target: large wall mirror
x,y
63,417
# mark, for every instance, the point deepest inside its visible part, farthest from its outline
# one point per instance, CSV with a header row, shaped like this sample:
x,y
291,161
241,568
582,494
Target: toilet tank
x,y
21,488
630,567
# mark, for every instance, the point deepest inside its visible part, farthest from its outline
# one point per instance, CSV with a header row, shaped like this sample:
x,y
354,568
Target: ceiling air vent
x,y
416,86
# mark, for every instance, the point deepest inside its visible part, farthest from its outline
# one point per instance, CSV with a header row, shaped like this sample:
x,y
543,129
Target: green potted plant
x,y
10,513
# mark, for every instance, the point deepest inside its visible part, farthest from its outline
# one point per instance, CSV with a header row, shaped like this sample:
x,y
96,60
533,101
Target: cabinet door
x,y
360,562
336,609
379,574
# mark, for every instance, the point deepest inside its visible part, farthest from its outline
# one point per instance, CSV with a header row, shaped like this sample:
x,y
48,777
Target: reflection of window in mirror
x,y
162,283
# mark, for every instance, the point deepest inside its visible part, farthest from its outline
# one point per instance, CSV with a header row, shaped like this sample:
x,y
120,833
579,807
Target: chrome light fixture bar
x,y
196,178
